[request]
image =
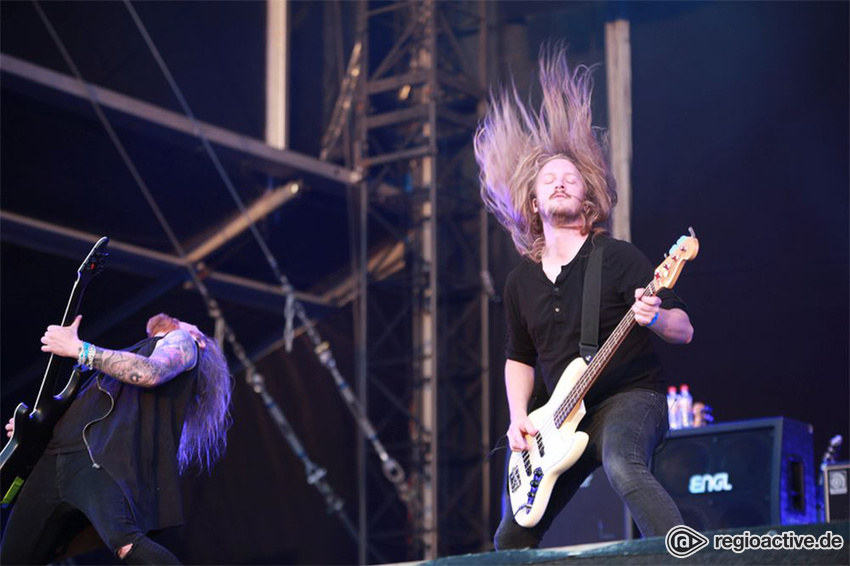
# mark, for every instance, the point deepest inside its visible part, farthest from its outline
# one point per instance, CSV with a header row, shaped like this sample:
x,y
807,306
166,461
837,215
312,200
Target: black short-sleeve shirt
x,y
544,318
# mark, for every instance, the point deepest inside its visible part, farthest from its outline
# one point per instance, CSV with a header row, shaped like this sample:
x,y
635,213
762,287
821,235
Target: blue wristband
x,y
83,358
654,319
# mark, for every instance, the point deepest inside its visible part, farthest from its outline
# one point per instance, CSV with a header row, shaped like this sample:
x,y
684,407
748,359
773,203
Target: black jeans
x,y
624,431
62,495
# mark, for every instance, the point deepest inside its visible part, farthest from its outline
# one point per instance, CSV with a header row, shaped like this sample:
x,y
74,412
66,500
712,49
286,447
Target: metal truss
x,y
422,332
279,163
167,271
422,313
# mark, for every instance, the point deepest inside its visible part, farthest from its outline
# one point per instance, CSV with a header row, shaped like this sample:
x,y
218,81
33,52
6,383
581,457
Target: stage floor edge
x,y
652,551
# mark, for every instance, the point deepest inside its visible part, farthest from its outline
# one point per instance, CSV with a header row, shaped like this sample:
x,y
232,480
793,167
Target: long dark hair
x,y
204,436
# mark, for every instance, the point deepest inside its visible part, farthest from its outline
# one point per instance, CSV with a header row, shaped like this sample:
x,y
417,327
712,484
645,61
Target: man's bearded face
x,y
560,192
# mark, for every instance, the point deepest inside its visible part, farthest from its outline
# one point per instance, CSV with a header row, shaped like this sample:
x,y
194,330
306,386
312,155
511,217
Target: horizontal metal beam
x,y
383,262
170,272
456,81
177,122
420,113
411,153
259,209
396,117
256,152
412,78
74,244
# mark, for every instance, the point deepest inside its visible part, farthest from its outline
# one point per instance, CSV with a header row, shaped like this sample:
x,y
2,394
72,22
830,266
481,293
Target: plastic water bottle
x,y
673,417
686,407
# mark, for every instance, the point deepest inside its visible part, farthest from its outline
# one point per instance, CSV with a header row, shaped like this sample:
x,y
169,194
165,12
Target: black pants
x,y
624,431
64,494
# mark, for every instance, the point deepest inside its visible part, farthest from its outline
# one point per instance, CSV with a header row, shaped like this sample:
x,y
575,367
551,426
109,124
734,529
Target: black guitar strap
x,y
589,344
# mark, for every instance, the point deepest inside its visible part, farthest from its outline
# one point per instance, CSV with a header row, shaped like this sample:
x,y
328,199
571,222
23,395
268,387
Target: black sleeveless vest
x,y
137,443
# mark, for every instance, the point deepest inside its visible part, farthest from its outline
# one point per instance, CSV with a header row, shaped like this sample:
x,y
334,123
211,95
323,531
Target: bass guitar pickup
x,y
514,479
540,448
526,460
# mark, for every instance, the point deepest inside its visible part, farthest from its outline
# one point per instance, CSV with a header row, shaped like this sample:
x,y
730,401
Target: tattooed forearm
x,y
174,354
128,367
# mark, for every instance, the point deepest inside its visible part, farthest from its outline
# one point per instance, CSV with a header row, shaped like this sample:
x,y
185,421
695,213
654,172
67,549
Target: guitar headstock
x,y
95,262
685,249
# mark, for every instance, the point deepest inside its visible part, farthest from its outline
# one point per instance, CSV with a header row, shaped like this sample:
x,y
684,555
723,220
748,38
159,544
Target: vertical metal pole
x,y
277,67
425,286
362,365
619,72
429,167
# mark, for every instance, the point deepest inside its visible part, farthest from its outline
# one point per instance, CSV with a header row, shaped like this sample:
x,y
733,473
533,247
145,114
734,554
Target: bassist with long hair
x,y
544,177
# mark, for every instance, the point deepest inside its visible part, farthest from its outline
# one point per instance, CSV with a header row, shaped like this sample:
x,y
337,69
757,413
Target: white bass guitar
x,y
558,445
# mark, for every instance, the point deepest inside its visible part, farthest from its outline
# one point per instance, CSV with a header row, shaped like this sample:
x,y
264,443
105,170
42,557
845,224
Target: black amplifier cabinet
x,y
835,486
740,474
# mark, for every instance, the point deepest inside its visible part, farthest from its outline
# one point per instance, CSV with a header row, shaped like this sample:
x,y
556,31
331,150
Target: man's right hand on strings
x,y
517,432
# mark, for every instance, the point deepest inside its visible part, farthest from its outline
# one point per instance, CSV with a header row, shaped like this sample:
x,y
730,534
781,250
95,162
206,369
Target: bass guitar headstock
x,y
685,249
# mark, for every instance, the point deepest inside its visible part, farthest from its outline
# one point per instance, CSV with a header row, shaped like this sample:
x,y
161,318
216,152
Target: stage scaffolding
x,y
414,89
417,83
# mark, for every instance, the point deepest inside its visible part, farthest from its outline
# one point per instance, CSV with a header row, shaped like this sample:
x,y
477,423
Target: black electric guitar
x,y
34,428
558,444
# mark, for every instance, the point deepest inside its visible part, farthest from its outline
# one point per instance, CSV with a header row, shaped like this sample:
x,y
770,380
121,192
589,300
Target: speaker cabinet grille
x,y
741,474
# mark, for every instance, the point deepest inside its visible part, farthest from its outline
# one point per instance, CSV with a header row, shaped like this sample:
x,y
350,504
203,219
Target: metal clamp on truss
x,y
315,474
391,468
344,102
289,316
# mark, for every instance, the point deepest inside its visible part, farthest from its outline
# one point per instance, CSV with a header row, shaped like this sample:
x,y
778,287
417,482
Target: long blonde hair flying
x,y
513,143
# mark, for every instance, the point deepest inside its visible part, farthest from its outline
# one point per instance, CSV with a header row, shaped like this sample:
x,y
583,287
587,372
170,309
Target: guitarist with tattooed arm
x,y
544,177
113,462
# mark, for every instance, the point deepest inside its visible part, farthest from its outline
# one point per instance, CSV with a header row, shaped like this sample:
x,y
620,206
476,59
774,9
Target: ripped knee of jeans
x,y
124,550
